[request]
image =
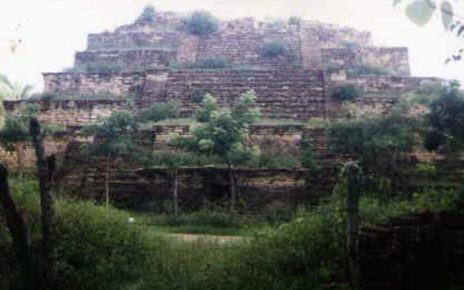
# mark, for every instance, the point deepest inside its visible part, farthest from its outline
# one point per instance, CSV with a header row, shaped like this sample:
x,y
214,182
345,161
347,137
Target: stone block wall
x,y
245,48
94,83
134,59
72,113
310,45
392,59
151,189
281,94
315,36
133,40
391,85
298,94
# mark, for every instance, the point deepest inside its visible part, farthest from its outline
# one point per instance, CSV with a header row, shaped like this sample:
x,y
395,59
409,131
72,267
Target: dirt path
x,y
208,238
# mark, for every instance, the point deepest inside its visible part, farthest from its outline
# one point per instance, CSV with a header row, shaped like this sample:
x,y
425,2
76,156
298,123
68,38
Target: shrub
x,y
209,63
198,96
160,111
148,14
277,161
345,92
201,23
369,70
276,24
274,48
350,45
294,20
179,159
96,247
378,142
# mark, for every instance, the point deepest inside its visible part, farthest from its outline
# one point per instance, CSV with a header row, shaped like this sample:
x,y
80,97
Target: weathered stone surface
x,y
134,59
310,44
392,59
95,83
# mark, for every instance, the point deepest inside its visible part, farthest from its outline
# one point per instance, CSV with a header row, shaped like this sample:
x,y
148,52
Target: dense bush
x,y
148,14
201,23
378,142
446,120
294,20
97,248
276,160
347,92
179,159
274,48
160,111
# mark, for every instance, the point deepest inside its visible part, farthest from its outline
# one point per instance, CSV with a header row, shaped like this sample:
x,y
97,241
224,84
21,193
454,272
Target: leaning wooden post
x,y
46,203
18,230
354,178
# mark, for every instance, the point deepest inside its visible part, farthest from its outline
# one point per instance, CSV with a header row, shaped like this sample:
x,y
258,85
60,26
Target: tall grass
x,y
97,248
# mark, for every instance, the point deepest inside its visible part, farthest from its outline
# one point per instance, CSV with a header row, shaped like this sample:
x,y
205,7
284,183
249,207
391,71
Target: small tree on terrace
x,y
15,132
378,143
148,14
223,134
446,121
113,136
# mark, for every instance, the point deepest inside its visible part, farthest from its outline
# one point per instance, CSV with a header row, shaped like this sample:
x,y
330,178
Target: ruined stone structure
x,y
293,85
149,62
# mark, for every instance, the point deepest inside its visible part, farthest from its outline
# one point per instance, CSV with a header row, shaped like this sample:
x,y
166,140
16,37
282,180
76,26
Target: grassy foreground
x,y
98,248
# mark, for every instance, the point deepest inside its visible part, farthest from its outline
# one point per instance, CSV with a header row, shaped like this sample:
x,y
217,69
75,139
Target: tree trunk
x,y
107,182
46,203
18,230
19,155
233,194
355,185
175,192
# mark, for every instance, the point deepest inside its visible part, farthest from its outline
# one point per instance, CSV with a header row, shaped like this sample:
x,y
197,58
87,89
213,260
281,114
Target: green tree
x,y
13,91
274,48
113,136
446,121
378,143
148,14
201,23
223,133
15,132
159,111
347,92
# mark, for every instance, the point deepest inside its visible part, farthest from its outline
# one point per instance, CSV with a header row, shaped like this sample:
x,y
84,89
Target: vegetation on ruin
x,y
274,48
294,20
347,92
222,133
160,111
446,121
148,14
201,23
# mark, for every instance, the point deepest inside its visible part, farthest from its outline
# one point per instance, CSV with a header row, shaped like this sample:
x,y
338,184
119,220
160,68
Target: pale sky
x,y
49,32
